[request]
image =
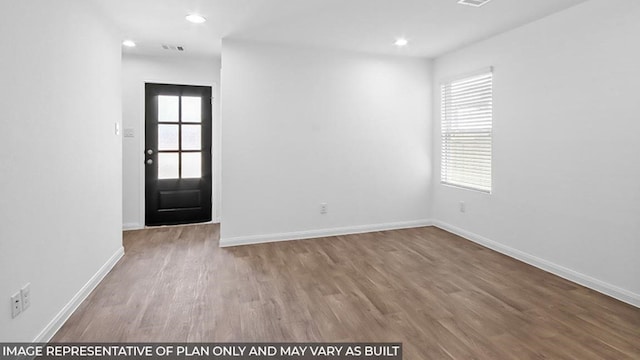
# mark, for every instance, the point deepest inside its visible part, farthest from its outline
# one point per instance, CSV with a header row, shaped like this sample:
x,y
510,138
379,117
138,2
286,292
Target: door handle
x,y
149,151
149,161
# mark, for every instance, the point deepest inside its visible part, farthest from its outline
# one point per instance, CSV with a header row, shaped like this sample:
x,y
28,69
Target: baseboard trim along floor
x,y
566,273
311,234
50,330
571,275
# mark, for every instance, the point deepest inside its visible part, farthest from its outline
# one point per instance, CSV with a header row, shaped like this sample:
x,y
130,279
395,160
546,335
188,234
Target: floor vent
x,y
476,3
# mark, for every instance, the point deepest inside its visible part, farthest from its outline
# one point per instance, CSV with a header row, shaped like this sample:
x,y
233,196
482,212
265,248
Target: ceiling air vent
x,y
172,47
476,3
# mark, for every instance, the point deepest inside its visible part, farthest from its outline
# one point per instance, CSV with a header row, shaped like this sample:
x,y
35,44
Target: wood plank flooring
x,y
442,296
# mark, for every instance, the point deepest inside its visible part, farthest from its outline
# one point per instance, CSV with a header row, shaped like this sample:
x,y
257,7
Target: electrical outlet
x,y
25,294
463,207
16,305
323,208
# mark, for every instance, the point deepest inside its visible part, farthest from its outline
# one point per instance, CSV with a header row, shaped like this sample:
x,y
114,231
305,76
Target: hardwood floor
x,y
442,296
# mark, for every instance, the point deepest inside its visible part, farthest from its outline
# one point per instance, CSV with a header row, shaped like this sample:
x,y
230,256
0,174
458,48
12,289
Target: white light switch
x,y
117,128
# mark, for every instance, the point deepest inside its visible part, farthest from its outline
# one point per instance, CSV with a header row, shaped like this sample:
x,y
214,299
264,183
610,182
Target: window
x,y
467,122
179,137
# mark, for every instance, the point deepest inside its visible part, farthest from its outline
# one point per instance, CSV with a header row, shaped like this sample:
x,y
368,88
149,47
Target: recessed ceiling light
x,y
129,43
195,18
400,42
476,3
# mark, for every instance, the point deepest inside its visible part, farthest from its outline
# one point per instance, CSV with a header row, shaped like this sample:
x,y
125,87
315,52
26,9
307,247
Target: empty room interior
x,y
461,177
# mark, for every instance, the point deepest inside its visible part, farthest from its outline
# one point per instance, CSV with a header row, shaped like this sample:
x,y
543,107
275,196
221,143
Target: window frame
x,y
446,122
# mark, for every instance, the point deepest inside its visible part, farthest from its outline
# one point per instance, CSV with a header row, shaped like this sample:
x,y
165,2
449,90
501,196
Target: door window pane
x,y
168,166
191,165
191,109
168,137
168,108
191,139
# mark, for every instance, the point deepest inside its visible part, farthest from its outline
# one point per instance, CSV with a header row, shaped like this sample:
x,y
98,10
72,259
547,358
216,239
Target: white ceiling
x,y
433,27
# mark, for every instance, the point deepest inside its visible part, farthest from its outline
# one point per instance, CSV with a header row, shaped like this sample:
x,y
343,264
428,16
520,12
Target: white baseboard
x,y
571,275
50,330
310,234
131,226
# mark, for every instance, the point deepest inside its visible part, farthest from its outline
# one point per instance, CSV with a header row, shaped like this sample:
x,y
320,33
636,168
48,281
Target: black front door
x,y
177,154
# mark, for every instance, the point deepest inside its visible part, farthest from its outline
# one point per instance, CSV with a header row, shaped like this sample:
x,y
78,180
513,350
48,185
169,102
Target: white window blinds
x,y
467,121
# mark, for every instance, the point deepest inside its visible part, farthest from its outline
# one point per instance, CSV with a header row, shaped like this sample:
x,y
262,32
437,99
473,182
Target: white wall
x,y
302,126
566,167
59,156
136,70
